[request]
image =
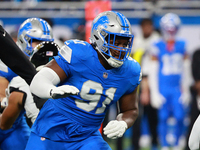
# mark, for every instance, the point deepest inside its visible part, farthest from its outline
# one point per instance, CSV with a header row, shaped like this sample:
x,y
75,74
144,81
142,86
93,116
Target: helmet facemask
x,y
29,43
115,53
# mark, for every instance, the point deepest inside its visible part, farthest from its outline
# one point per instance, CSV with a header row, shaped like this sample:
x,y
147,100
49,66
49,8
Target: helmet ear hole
x,y
96,37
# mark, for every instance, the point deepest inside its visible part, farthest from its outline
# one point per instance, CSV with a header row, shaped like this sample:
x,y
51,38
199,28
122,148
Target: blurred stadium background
x,y
68,17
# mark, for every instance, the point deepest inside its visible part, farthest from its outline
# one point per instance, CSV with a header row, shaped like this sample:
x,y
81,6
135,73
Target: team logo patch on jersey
x,y
105,75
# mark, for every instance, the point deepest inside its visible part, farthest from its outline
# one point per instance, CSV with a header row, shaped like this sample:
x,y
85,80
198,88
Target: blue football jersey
x,y
99,88
171,62
6,72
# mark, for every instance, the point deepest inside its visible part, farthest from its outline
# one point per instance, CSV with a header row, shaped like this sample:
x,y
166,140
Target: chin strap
x,y
111,61
114,63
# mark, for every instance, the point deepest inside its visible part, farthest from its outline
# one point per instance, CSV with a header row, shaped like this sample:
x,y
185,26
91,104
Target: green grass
x,y
126,144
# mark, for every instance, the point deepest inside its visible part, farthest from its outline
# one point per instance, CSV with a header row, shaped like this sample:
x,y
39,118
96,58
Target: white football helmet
x,y
111,25
170,24
33,29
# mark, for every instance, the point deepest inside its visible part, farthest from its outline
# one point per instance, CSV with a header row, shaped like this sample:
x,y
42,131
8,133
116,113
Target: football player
x,y
31,32
19,101
82,82
169,78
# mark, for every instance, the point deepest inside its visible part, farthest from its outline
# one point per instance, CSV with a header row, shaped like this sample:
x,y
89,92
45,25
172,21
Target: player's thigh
x,y
95,142
17,140
36,142
163,113
177,107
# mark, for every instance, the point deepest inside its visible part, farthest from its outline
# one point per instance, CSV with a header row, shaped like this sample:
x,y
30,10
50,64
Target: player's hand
x,y
185,98
4,102
63,91
115,129
157,100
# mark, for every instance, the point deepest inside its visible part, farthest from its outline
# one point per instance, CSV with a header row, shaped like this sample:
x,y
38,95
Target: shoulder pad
x,y
73,47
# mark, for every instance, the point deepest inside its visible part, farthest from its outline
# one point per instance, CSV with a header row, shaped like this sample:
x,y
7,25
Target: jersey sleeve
x,y
6,72
70,54
136,76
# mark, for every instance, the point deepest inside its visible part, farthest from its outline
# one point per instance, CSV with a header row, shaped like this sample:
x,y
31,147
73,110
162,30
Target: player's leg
x,y
163,115
178,114
18,139
153,122
94,142
36,142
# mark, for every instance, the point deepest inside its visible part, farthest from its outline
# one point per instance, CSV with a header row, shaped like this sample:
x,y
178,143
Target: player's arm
x,y
3,85
12,111
45,81
157,99
186,81
128,105
145,95
14,58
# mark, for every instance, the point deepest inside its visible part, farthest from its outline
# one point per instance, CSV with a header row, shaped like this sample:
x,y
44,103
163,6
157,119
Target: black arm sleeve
x,y
14,58
196,65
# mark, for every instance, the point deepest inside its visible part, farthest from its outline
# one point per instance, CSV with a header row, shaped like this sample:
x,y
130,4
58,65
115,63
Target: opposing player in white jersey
x,y
20,100
82,82
31,32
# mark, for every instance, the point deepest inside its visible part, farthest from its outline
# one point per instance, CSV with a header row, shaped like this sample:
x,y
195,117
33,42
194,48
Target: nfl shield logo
x,y
105,75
